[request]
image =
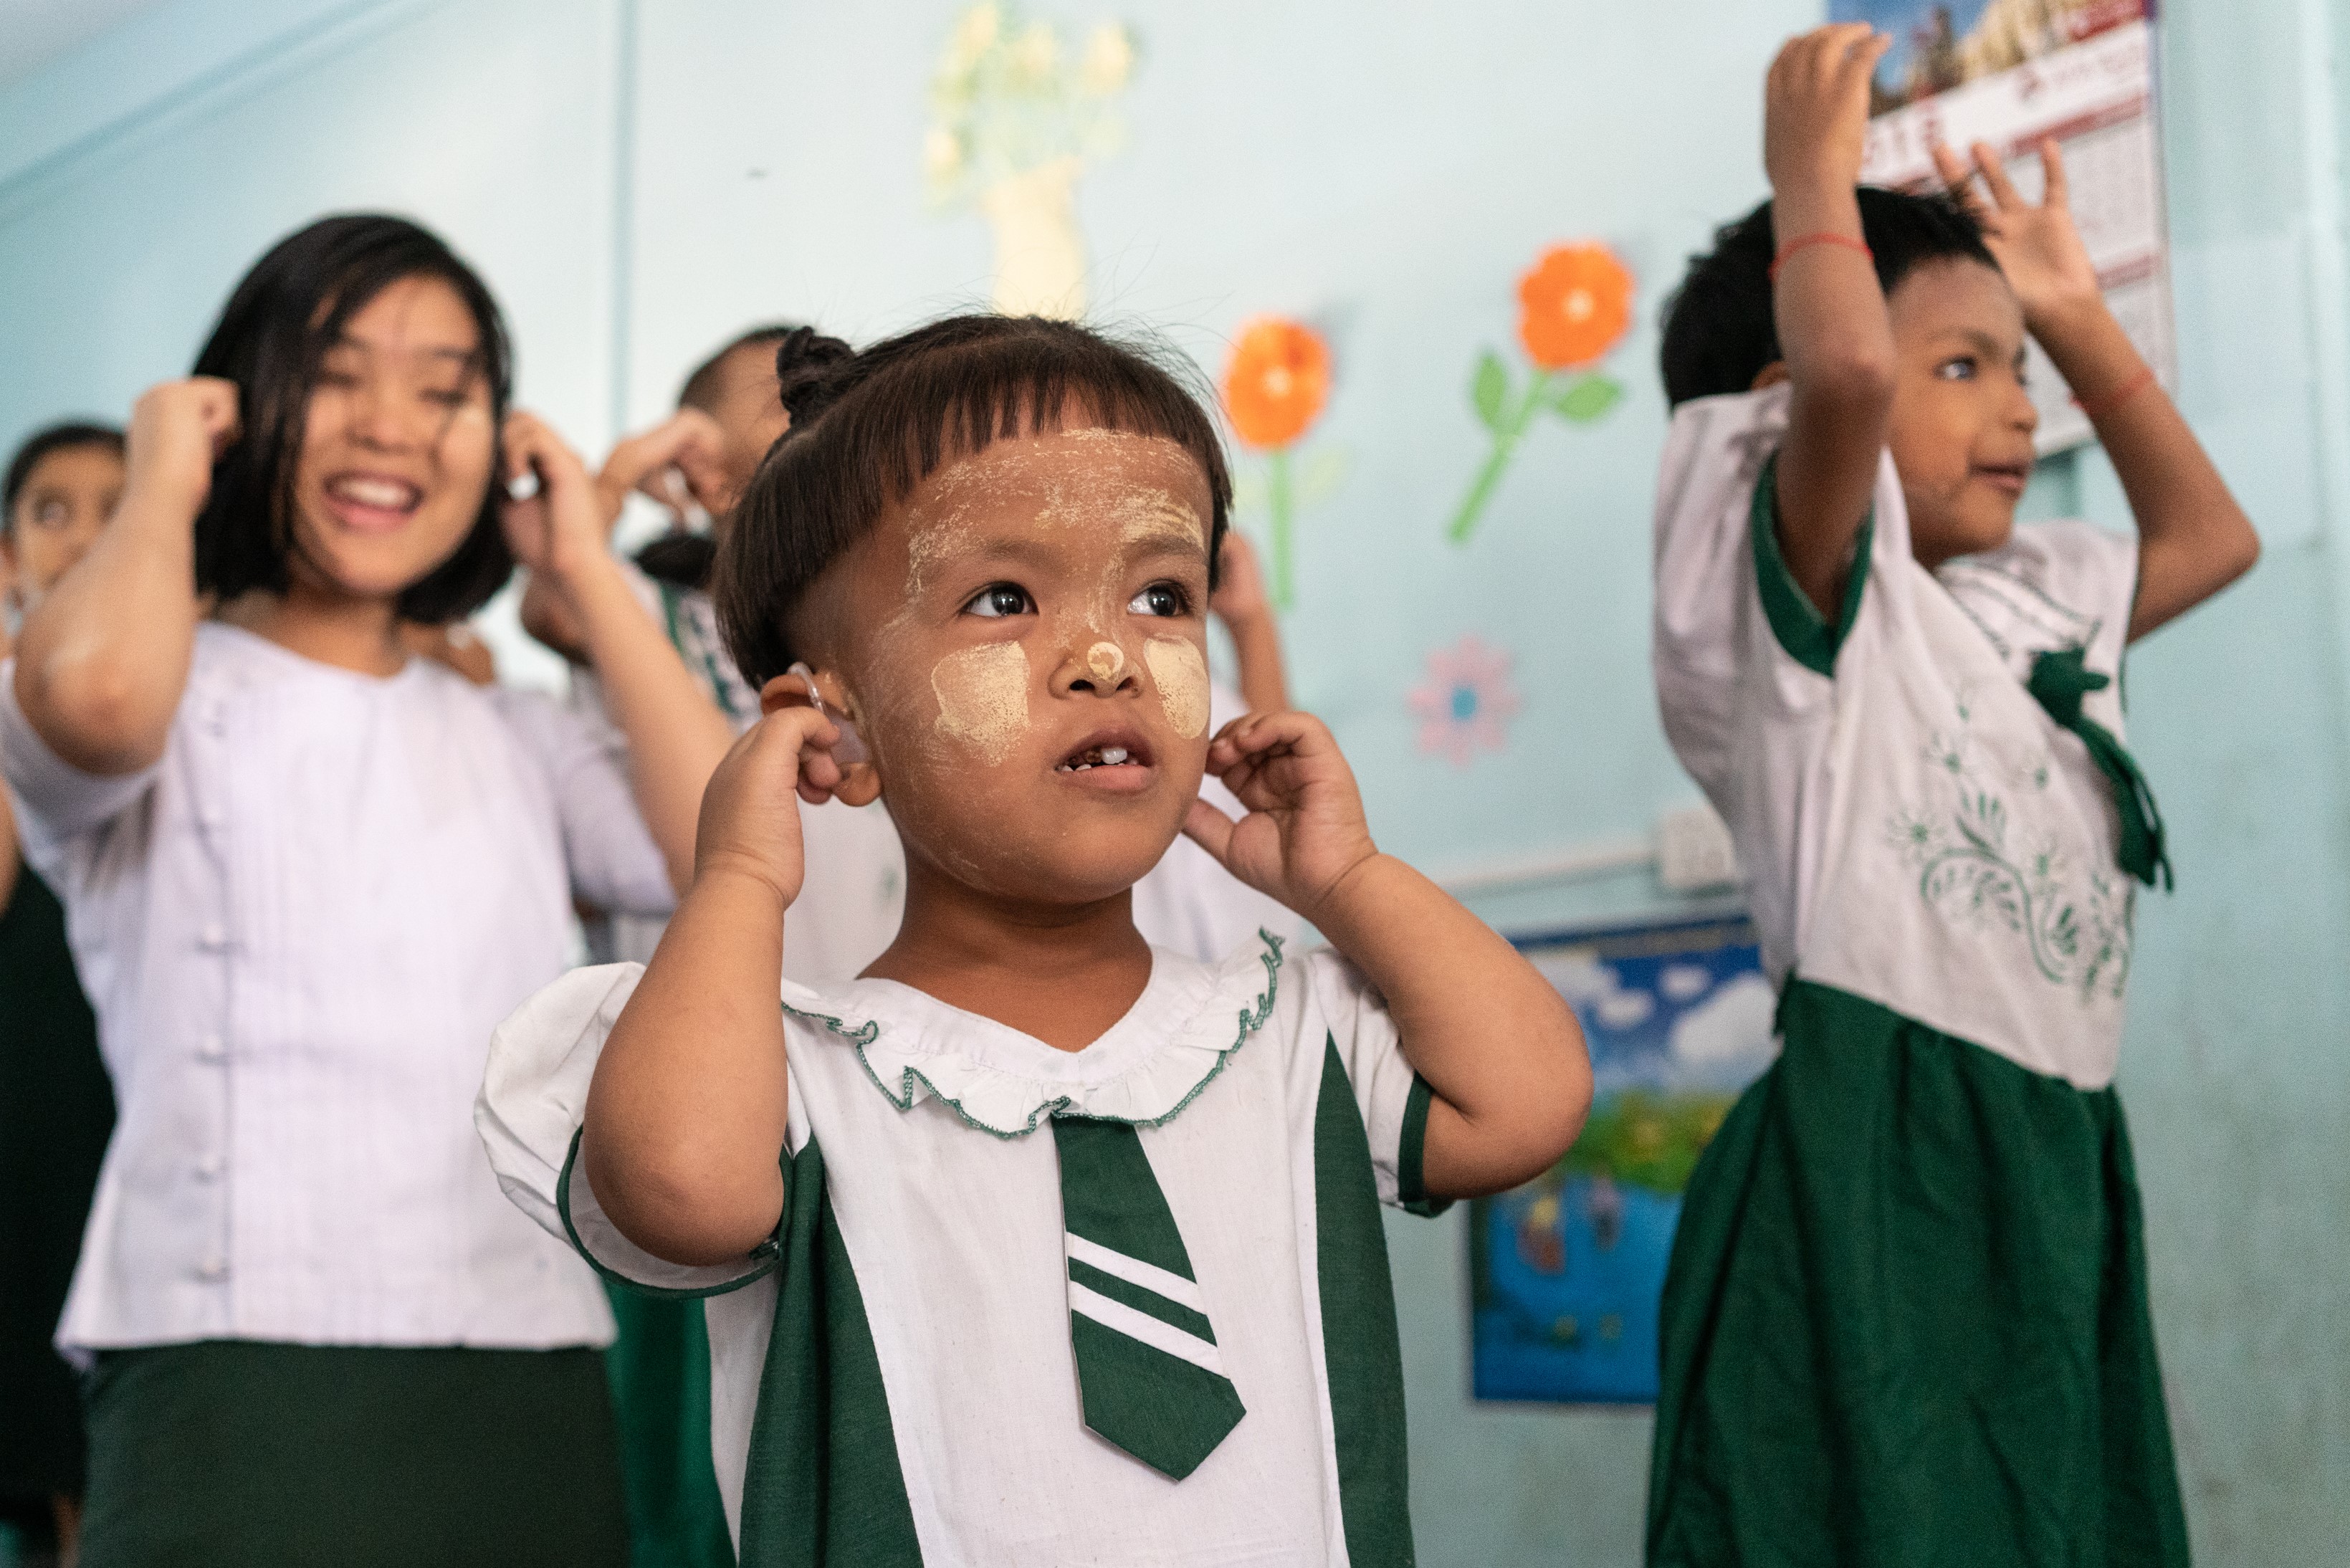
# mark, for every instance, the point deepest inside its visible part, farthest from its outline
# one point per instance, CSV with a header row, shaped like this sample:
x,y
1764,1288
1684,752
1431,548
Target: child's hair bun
x,y
810,372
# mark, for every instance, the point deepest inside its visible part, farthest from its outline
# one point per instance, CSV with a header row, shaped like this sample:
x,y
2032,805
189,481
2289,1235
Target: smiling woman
x,y
326,479
306,874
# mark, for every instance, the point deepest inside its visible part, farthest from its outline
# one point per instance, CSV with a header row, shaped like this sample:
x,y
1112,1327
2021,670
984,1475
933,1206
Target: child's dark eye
x,y
1001,600
1160,599
1959,370
447,399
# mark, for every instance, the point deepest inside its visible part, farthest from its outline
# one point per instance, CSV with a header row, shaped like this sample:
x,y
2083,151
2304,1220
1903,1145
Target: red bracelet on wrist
x,y
1802,241
2098,408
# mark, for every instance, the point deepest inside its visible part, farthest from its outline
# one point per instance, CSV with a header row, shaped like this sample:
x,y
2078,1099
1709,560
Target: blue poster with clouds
x,y
1566,1270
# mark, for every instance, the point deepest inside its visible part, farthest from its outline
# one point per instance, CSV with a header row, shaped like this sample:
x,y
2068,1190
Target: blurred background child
x,y
1906,1319
56,1106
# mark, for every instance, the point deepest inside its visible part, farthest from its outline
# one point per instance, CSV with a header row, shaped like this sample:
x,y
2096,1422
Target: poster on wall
x,y
1565,1272
2010,72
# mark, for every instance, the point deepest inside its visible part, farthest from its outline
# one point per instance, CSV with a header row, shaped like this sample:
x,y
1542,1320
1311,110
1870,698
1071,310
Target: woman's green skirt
x,y
229,1452
1906,1323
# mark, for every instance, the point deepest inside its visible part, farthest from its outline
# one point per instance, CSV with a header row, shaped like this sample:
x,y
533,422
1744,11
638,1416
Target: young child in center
x,y
1034,1244
304,875
56,1106
1905,1320
731,410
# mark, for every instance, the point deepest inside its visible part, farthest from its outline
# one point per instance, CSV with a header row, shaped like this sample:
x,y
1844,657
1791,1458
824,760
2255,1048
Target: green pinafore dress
x,y
1906,1319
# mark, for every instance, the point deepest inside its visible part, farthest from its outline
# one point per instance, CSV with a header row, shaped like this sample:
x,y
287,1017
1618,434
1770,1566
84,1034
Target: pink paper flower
x,y
1467,702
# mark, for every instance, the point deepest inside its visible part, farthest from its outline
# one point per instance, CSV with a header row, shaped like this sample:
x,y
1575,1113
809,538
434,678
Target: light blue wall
x,y
640,177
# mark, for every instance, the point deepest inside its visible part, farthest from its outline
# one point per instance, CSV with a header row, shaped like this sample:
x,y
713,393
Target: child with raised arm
x,y
305,873
1905,1320
1042,1246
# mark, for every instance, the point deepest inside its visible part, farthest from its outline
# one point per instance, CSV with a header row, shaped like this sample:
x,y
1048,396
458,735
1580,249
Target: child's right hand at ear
x,y
178,430
750,823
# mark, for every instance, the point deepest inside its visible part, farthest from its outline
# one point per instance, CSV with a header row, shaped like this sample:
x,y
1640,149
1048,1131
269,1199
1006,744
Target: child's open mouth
x,y
1108,760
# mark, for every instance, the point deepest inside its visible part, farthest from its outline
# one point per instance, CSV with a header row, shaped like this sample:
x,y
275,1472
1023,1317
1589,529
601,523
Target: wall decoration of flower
x,y
1575,307
1012,122
1275,386
1466,703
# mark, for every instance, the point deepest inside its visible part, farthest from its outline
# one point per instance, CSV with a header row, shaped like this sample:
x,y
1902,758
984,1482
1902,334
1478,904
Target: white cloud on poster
x,y
1732,1025
1684,982
1580,977
1625,1009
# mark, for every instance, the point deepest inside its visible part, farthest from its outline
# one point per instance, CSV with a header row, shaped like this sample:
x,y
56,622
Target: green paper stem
x,y
1512,430
1284,580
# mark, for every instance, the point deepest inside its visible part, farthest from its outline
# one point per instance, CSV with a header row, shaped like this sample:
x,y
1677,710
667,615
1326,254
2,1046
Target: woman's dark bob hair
x,y
270,341
869,428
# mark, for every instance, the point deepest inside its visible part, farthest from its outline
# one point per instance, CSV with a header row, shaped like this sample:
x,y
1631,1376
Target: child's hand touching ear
x,y
750,812
1305,832
690,444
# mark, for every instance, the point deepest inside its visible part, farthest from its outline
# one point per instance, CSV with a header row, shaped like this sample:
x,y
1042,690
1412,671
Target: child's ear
x,y
1770,374
860,784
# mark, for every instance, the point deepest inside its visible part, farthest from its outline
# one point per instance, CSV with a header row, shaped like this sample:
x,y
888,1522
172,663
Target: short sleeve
x,y
533,1103
1739,652
612,859
1394,1100
58,801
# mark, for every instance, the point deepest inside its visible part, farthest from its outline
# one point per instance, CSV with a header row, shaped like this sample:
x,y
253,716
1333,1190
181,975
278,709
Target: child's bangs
x,y
944,412
869,428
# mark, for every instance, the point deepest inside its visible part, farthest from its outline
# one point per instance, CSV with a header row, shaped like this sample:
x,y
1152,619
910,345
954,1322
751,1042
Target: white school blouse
x,y
298,930
1916,829
1276,1110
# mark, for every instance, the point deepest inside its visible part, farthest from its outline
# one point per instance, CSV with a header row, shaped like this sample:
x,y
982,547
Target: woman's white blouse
x,y
298,931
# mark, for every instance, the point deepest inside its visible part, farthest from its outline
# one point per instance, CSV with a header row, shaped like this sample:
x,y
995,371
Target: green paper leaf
x,y
1588,399
1489,390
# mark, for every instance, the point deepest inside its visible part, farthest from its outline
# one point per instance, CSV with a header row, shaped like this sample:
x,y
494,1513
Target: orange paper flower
x,y
1578,303
1277,381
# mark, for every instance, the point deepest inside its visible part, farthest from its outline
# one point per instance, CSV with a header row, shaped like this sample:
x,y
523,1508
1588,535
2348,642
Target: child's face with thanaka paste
x,y
1023,647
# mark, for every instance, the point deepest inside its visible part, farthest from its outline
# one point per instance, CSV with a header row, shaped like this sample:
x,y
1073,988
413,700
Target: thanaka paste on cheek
x,y
983,697
1181,677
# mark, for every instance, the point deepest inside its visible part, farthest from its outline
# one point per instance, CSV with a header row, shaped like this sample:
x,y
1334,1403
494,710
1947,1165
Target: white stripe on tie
x,y
1135,1272
1141,1325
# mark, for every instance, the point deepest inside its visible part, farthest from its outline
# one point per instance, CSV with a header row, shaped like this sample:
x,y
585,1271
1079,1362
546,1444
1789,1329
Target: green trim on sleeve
x,y
1411,1185
761,1257
1795,621
1362,1353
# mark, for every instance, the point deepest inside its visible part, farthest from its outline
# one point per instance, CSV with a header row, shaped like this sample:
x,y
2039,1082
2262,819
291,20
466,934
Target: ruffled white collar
x,y
1190,1018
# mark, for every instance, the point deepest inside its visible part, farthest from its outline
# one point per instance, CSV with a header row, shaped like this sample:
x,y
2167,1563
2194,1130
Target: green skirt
x,y
282,1456
659,1369
56,1111
1905,1325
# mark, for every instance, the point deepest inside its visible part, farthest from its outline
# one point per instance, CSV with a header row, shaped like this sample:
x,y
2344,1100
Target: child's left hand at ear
x,y
1305,832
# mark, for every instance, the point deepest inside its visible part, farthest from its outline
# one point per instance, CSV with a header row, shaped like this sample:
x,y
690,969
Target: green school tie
x,y
1148,1371
2060,681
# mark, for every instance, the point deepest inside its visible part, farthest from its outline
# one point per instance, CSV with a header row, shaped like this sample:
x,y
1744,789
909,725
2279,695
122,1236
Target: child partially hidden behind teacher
x,y
1905,1320
1057,1248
